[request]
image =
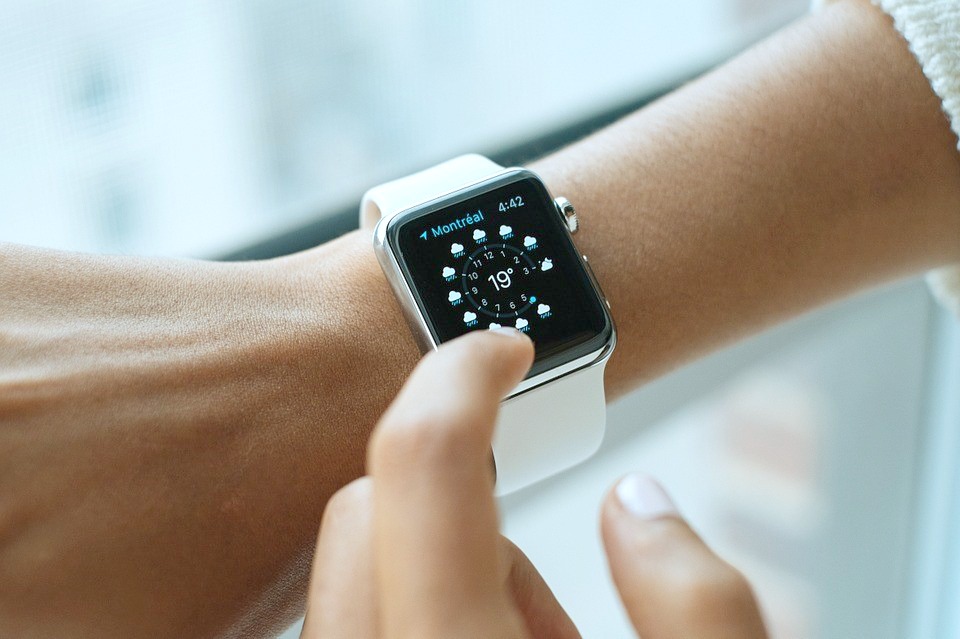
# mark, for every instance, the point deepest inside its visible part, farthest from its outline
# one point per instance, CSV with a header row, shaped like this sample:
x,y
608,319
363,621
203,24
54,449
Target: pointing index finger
x,y
435,520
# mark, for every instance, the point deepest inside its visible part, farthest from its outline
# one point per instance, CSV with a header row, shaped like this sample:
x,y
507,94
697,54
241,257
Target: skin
x,y
171,430
413,549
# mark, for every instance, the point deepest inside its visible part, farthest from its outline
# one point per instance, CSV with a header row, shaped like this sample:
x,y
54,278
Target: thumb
x,y
672,585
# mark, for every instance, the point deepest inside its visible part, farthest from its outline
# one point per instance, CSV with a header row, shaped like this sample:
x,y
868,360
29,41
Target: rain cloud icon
x,y
448,271
469,317
494,325
479,235
546,265
454,297
543,309
456,248
522,323
529,241
505,230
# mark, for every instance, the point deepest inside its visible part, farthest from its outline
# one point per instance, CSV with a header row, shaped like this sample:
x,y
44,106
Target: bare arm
x,y
815,165
170,431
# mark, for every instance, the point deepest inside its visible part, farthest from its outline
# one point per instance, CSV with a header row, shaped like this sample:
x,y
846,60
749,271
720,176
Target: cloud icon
x,y
469,317
494,325
522,323
456,248
479,234
546,265
505,230
454,296
543,309
448,271
529,241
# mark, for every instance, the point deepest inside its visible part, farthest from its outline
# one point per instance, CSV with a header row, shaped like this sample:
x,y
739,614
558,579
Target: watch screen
x,y
500,255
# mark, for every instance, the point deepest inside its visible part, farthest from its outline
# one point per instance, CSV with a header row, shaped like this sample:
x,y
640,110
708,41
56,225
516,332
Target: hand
x,y
413,550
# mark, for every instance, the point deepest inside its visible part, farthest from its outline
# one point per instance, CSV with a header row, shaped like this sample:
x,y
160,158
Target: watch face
x,y
499,254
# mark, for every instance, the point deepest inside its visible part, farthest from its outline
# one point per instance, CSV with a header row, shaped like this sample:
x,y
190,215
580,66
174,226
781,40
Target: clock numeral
x,y
512,203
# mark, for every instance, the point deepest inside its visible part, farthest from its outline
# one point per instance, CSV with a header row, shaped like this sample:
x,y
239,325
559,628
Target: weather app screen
x,y
501,258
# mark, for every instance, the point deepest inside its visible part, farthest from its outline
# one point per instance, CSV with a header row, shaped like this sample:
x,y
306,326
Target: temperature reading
x,y
501,279
495,280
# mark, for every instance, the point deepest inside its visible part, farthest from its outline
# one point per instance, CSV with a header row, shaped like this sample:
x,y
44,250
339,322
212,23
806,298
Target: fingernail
x,y
507,331
643,497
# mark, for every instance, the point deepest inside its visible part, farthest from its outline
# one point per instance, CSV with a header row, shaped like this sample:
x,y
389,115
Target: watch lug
x,y
567,213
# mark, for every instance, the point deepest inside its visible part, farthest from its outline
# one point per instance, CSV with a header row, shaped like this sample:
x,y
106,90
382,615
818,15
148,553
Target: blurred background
x,y
822,457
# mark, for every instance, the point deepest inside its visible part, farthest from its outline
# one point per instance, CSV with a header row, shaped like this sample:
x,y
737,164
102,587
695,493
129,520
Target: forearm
x,y
812,166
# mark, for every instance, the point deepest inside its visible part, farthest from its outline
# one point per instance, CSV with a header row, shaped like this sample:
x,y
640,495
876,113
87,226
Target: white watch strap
x,y
541,431
549,428
392,197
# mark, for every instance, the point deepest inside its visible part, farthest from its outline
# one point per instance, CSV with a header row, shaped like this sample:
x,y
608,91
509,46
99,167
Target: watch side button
x,y
567,213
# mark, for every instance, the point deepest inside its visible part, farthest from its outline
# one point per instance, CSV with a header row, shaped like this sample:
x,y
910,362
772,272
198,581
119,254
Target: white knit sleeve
x,y
932,30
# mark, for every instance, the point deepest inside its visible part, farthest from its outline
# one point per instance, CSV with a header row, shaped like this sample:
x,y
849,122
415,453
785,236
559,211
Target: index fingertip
x,y
505,351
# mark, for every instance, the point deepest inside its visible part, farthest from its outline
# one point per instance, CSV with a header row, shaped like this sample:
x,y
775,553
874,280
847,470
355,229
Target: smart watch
x,y
469,245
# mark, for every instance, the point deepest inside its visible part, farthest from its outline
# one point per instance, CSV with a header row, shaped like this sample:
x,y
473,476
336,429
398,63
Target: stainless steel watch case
x,y
390,264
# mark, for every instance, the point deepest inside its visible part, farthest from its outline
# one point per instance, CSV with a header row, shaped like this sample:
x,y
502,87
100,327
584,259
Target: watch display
x,y
496,255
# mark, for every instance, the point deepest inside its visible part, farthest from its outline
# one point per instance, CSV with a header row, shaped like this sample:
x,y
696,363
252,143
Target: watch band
x,y
390,198
547,428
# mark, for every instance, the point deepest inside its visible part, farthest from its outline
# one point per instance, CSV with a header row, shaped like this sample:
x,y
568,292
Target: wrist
x,y
348,316
350,348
